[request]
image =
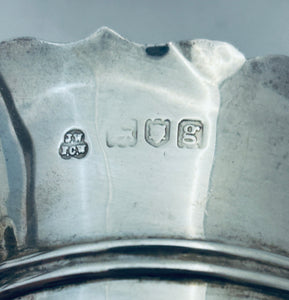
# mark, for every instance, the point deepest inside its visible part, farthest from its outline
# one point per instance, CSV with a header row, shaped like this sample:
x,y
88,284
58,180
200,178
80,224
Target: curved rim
x,y
98,247
161,269
119,266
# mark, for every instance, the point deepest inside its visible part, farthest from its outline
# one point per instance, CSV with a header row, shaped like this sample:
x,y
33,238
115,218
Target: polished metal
x,y
142,172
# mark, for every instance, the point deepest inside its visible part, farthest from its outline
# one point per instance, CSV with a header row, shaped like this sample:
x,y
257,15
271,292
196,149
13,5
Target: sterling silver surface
x,y
142,172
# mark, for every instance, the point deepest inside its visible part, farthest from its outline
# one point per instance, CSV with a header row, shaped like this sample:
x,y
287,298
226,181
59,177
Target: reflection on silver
x,y
123,162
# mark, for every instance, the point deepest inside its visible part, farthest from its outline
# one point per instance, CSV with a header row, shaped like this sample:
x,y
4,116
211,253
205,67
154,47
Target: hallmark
x,y
190,133
157,132
73,145
125,136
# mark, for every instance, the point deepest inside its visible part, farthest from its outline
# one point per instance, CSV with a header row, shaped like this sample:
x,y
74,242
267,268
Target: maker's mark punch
x,y
74,145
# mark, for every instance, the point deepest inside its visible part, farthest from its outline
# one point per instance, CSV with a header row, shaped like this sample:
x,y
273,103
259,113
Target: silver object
x,y
142,172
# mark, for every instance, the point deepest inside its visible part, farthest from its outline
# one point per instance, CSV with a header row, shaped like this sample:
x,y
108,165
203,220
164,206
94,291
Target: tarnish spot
x,y
275,73
157,51
186,48
8,240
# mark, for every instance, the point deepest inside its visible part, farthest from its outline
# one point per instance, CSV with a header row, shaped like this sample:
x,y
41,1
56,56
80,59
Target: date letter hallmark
x,y
190,134
157,132
73,145
125,136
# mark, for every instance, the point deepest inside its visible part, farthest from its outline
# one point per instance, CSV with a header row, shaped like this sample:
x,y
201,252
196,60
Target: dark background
x,y
256,27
